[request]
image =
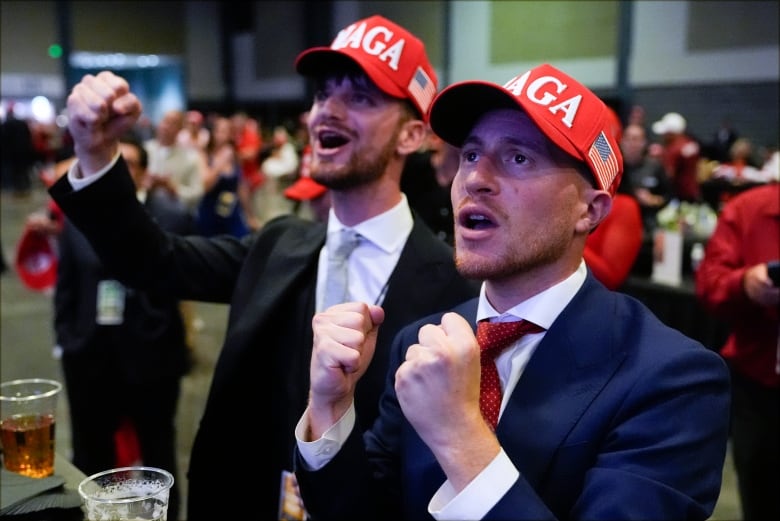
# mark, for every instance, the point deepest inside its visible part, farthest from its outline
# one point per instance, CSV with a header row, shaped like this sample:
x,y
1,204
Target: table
x,y
66,469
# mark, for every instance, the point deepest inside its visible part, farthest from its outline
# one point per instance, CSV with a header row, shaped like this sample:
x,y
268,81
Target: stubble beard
x,y
359,170
516,258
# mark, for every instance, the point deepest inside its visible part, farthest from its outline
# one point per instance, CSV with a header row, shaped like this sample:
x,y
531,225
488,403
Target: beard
x,y
516,257
361,168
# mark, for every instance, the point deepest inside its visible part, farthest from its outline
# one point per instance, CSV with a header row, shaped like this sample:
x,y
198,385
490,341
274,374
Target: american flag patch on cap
x,y
422,88
603,161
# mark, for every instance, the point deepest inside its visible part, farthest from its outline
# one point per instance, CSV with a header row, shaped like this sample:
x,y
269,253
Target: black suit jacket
x,y
150,343
262,374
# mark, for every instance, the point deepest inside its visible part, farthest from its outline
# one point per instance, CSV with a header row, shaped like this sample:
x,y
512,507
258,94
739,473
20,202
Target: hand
x,y
759,287
344,342
42,223
100,109
438,383
438,390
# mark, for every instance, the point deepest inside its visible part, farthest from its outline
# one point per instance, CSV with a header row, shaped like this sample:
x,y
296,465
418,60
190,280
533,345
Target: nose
x,y
330,105
478,177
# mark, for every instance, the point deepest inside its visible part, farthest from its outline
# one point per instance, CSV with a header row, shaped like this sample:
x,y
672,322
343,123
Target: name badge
x,y
110,303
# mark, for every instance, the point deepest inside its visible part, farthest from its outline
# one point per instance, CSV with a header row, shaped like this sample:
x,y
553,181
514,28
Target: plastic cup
x,y
125,494
27,425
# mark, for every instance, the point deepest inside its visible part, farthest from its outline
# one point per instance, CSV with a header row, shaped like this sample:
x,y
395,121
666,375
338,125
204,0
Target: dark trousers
x,y
756,447
98,401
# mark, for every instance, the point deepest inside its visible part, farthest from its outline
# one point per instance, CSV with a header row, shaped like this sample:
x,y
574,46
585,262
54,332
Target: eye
x,y
469,156
519,159
361,98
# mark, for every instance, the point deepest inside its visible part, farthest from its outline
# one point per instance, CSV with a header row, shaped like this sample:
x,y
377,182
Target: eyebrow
x,y
536,145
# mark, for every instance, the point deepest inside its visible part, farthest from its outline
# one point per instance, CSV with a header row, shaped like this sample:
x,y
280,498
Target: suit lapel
x,y
569,368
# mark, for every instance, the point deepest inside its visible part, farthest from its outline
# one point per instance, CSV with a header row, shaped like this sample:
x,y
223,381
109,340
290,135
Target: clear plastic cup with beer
x,y
126,494
27,425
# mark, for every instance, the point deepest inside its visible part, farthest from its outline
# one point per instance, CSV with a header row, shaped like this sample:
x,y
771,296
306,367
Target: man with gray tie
x,y
373,86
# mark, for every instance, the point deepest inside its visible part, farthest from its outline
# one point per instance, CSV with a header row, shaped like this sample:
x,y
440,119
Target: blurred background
x,y
715,62
712,61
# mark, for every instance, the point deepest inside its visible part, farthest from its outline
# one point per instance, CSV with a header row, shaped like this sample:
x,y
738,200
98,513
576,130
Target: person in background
x,y
742,165
311,200
680,156
123,350
366,117
222,209
18,155
280,168
644,177
427,195
733,283
248,138
194,134
175,171
612,248
602,411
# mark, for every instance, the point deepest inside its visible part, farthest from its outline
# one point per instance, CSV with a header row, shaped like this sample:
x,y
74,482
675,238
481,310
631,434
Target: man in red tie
x,y
605,412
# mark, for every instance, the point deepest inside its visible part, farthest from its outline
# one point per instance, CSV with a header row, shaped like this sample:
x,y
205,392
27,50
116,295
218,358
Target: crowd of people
x,y
472,207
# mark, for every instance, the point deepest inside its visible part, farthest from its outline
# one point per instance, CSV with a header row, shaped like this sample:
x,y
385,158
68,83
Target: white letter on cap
x,y
393,55
349,37
372,45
569,107
536,86
516,84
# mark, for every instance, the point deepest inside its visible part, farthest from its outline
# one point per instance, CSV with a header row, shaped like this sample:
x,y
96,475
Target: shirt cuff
x,y
319,452
80,182
479,496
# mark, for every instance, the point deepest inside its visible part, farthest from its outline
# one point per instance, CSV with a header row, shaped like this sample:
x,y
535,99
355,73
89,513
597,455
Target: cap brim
x,y
457,108
322,60
305,189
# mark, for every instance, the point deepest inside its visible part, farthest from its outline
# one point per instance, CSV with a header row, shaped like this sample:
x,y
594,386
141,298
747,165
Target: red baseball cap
x,y
391,56
36,260
567,112
305,189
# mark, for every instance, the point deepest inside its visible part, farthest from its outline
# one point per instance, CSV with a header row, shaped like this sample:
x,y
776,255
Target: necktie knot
x,y
494,337
342,244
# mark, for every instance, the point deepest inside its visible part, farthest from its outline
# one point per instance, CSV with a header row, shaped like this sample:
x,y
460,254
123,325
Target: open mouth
x,y
331,139
475,221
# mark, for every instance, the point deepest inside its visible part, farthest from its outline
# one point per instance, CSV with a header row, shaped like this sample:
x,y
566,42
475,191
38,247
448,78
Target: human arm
x,y
100,108
438,390
344,342
732,279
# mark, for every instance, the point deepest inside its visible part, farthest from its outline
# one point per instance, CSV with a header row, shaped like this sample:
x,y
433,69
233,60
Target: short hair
x,y
132,140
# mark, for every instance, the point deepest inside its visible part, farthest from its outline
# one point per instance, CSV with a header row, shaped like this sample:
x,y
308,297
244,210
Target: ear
x,y
411,137
599,207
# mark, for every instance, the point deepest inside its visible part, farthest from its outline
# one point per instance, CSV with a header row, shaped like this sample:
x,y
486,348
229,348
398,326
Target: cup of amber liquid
x,y
27,421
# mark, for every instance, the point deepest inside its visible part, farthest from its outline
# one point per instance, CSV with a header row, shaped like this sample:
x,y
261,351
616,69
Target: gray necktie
x,y
340,246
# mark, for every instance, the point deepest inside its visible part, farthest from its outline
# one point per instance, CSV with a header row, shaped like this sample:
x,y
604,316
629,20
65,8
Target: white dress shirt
x,y
474,501
374,259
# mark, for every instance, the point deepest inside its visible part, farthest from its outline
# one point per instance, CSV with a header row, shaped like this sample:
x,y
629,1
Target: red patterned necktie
x,y
494,337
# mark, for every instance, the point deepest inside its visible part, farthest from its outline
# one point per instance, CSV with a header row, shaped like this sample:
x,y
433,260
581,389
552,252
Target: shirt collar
x,y
543,308
388,230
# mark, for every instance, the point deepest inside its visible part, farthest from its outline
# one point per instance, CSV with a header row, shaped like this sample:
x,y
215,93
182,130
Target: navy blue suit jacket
x,y
269,280
616,417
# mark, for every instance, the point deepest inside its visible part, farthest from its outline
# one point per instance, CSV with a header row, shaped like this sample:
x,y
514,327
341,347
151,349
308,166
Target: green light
x,y
55,50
